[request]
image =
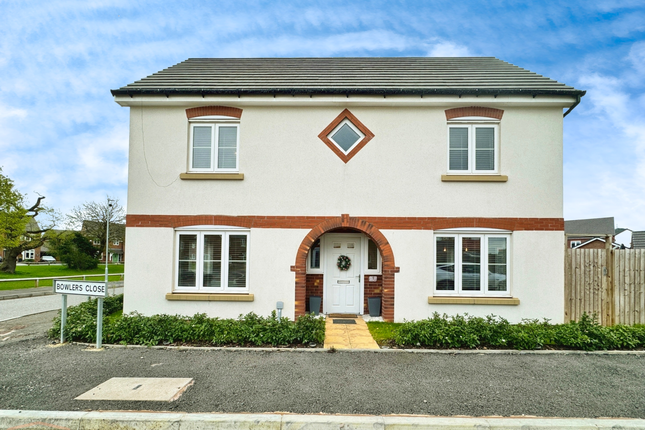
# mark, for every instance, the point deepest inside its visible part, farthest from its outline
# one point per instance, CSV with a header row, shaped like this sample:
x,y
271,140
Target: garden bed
x,y
493,332
176,330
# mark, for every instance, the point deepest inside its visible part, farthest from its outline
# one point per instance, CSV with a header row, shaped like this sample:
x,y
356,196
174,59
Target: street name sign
x,y
80,288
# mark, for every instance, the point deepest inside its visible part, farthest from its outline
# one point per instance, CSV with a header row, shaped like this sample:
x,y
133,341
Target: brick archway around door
x,y
360,225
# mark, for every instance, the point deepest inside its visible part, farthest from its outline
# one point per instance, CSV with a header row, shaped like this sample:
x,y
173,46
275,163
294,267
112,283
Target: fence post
x,y
611,299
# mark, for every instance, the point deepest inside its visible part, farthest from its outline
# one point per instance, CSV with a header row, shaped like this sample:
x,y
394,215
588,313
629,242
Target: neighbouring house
x,y
638,240
116,243
589,233
30,254
432,184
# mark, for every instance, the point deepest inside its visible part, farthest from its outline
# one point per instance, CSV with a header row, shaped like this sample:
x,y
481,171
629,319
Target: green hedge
x,y
496,332
136,329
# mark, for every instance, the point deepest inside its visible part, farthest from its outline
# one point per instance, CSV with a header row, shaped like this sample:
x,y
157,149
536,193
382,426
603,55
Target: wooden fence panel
x,y
592,275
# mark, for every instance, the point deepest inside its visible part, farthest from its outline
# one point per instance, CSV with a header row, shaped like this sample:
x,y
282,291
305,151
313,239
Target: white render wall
x,y
536,274
289,171
150,274
536,263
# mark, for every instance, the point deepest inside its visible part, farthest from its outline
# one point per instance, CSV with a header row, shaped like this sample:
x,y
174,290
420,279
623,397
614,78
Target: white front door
x,y
342,287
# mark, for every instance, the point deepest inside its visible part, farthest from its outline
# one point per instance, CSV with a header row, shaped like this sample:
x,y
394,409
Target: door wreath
x,y
344,262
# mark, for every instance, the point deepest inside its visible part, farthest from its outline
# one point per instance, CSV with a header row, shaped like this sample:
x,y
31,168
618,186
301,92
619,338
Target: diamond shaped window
x,y
346,135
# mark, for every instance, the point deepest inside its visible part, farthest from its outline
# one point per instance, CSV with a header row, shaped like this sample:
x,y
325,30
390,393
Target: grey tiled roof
x,y
638,239
590,227
344,75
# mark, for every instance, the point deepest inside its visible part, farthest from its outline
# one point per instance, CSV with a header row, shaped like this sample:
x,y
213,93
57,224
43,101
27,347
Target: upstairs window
x,y
473,146
214,144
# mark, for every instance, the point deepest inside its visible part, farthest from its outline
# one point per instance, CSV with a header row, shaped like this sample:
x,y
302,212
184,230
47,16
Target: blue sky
x,y
62,135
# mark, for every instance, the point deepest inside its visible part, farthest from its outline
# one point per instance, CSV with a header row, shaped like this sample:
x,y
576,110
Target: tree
x,y
91,219
19,230
77,251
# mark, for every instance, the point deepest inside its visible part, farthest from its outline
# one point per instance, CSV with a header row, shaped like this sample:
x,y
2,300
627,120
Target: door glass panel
x,y
314,255
445,269
372,255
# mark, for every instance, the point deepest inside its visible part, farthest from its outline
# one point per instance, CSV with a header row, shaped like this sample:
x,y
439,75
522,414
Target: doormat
x,y
139,389
344,321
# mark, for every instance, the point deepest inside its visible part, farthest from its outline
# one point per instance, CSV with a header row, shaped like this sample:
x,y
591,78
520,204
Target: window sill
x,y
210,297
474,178
213,176
510,301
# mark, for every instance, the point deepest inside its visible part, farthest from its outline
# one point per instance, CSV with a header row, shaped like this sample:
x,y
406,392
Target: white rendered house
x,y
432,183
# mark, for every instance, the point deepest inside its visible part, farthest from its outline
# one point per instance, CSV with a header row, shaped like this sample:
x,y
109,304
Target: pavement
x,y
18,303
317,388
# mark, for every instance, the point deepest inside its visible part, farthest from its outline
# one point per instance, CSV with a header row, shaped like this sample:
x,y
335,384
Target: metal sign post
x,y
82,288
63,319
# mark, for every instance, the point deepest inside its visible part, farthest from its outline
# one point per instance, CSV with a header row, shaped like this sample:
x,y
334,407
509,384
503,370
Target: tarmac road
x,y
37,376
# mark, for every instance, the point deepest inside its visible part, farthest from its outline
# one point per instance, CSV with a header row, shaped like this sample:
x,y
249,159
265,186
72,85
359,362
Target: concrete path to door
x,y
348,332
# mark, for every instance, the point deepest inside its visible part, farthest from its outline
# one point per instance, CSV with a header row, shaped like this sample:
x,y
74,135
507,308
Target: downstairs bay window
x,y
212,261
471,264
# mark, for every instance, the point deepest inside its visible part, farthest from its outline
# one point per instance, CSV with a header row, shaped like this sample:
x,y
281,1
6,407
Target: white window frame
x,y
351,125
317,270
472,123
215,122
458,234
200,232
379,262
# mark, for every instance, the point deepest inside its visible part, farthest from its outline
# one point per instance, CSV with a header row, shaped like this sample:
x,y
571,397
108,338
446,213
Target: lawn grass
x,y
51,271
383,332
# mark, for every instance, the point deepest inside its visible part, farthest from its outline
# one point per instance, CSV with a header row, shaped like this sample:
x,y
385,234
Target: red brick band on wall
x,y
214,110
382,223
474,111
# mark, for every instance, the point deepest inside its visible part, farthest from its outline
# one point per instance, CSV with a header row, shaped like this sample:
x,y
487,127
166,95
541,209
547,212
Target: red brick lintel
x,y
382,223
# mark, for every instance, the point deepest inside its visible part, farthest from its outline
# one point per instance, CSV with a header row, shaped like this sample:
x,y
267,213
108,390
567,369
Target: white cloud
x,y
9,112
449,49
605,174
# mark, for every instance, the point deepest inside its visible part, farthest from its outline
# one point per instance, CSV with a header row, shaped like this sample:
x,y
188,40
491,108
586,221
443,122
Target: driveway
x,y
38,376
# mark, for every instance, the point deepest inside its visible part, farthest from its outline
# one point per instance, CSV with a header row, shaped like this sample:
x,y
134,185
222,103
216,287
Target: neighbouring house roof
x,y
365,75
582,245
638,240
590,227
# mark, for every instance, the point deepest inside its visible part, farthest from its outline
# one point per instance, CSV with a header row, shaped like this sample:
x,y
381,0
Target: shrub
x,y
136,329
473,332
76,251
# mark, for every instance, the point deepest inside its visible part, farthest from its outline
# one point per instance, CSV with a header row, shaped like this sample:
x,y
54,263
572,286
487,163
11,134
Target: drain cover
x,y
139,389
344,321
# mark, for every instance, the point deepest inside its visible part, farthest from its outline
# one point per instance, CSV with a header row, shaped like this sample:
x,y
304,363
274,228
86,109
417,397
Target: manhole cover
x,y
344,321
139,389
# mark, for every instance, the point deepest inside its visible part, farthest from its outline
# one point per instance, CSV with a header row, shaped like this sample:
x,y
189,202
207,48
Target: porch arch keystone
x,y
388,268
